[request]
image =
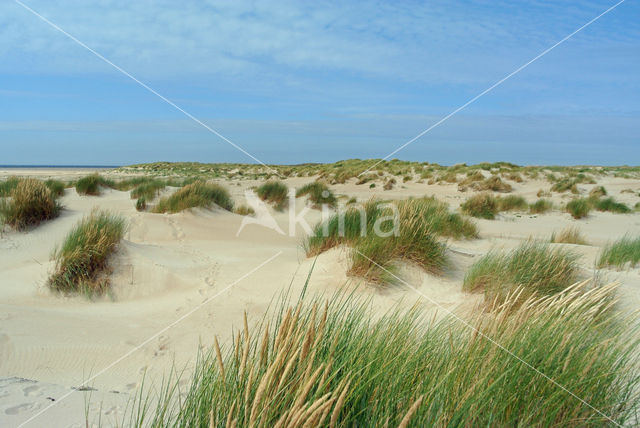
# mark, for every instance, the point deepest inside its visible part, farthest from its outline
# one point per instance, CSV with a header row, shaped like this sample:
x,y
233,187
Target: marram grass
x,y
328,364
533,266
197,194
275,192
570,235
82,259
620,253
30,203
319,193
377,245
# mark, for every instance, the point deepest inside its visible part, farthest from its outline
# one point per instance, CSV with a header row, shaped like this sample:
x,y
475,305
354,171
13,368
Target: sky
x,y
319,81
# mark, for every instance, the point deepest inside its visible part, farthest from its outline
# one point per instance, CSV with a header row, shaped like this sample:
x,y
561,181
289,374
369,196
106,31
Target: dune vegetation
x,y
570,235
244,210
82,259
611,205
512,203
532,268
541,206
327,364
56,187
274,192
579,208
30,203
383,233
319,194
625,251
7,186
148,189
91,185
482,205
198,194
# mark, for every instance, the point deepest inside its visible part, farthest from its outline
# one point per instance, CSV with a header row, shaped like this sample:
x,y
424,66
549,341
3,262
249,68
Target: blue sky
x,y
319,81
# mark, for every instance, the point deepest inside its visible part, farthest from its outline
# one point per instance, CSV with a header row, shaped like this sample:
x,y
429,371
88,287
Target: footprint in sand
x,y
21,408
178,233
32,391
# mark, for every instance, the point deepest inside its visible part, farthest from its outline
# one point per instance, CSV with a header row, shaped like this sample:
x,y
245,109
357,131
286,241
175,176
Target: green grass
x,y
82,259
274,192
148,189
91,184
197,194
540,206
569,235
512,203
483,205
418,225
533,266
141,204
328,364
610,204
30,203
7,186
579,208
621,252
56,187
319,194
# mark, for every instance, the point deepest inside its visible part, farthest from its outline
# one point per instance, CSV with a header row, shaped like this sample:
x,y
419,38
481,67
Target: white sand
x,y
169,265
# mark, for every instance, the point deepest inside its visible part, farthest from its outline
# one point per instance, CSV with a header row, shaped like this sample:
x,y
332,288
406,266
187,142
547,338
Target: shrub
x,y
275,192
621,252
579,208
540,206
30,204
483,205
329,364
318,193
533,266
244,210
389,184
610,204
372,185
90,185
512,202
56,187
570,235
197,194
82,260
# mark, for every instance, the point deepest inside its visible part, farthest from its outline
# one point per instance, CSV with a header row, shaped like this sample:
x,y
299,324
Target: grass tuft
x,y
275,192
82,259
569,235
483,205
512,203
541,206
579,208
621,252
244,210
319,194
533,266
418,224
90,185
197,194
30,203
610,204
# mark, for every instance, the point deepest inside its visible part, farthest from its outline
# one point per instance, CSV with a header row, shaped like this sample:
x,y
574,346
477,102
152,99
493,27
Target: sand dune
x,y
171,264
